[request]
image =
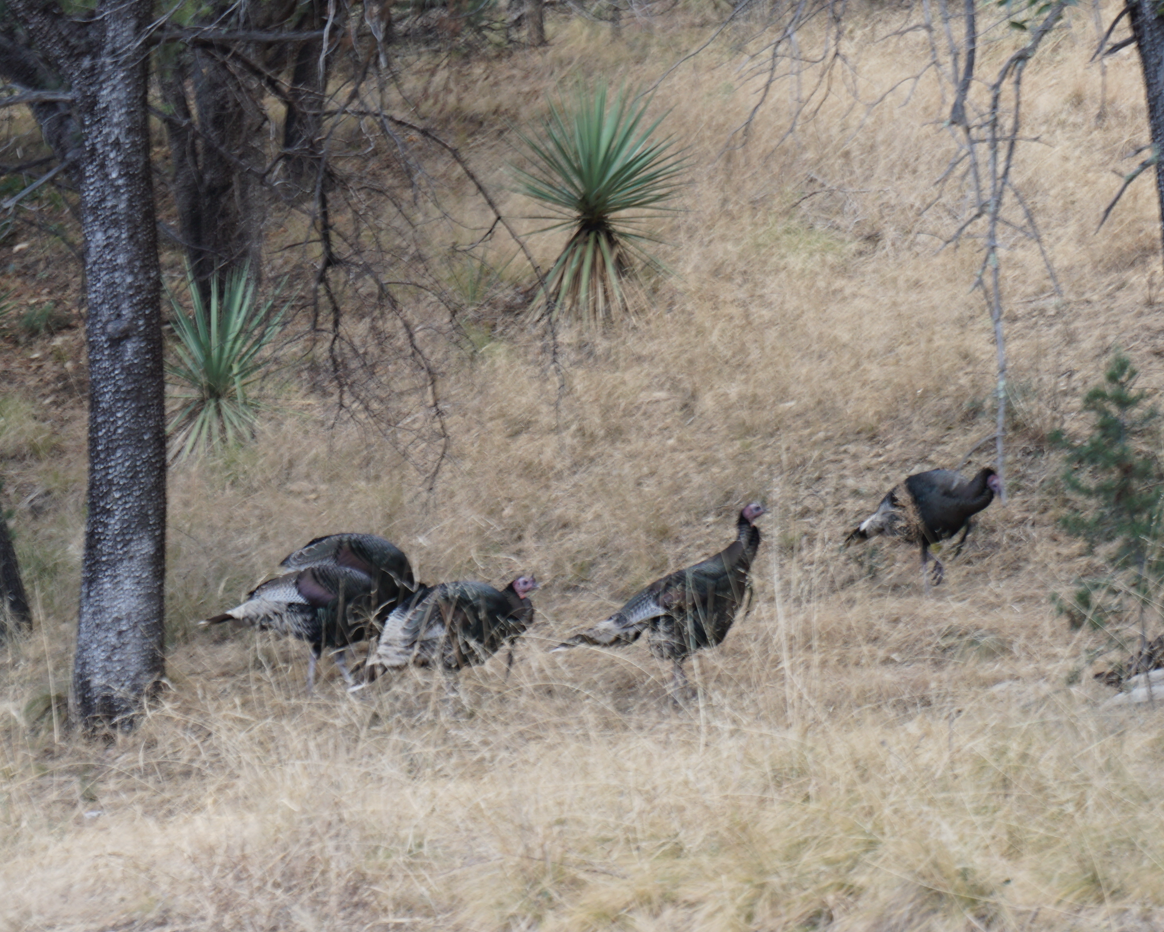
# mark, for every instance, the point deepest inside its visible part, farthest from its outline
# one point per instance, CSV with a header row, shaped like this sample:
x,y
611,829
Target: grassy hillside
x,y
859,757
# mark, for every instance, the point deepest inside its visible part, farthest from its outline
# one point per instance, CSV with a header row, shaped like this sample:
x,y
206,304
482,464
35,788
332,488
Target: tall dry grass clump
x,y
858,757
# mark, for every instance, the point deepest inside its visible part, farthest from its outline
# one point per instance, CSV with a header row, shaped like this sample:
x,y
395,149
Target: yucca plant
x,y
218,360
604,178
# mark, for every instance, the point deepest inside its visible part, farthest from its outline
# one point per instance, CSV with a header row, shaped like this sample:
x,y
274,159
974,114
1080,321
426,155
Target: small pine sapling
x,y
1114,479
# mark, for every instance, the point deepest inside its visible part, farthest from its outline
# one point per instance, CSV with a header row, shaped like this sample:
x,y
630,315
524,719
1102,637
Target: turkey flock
x,y
343,589
347,587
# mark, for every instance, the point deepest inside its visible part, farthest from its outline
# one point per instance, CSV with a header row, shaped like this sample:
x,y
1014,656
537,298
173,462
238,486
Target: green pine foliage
x,y
604,179
1114,478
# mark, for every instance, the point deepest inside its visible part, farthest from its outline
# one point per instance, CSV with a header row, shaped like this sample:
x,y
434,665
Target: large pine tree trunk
x,y
303,124
214,146
120,635
1148,31
24,68
120,631
536,11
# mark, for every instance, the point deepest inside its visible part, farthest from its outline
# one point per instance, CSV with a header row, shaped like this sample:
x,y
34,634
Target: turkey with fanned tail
x,y
930,507
326,606
453,625
379,559
686,610
342,588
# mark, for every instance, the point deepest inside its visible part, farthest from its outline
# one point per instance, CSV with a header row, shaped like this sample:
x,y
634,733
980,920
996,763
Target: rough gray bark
x,y
217,162
529,15
1148,31
119,655
14,612
378,18
185,186
22,67
303,124
536,11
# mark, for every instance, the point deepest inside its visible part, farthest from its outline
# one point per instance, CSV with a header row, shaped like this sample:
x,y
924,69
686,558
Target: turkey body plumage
x,y
378,559
453,625
341,588
687,610
930,507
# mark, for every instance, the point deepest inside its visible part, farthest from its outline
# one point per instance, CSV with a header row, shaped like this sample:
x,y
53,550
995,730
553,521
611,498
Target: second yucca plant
x,y
218,360
603,178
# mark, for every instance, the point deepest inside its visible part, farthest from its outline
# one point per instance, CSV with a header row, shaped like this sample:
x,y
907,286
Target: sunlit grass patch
x,y
22,433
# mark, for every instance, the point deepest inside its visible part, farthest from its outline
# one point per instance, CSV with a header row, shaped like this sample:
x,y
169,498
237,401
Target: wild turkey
x,y
343,587
377,558
454,625
930,507
686,610
326,606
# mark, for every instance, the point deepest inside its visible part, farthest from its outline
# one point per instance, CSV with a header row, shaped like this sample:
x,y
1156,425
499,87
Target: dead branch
x,y
958,111
34,97
1149,162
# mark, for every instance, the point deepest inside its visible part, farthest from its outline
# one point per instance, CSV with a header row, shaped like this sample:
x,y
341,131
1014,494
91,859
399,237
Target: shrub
x,y
603,178
219,359
1114,477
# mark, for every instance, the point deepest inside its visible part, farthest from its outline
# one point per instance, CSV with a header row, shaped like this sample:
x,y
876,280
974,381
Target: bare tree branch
x,y
34,97
958,111
1149,162
1001,144
1102,49
43,179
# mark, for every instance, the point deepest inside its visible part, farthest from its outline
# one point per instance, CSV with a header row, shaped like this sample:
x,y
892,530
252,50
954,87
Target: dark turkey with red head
x,y
454,625
343,587
686,610
930,507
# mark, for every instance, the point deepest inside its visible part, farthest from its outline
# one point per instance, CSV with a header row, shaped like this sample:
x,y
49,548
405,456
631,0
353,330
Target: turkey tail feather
x,y
315,550
607,633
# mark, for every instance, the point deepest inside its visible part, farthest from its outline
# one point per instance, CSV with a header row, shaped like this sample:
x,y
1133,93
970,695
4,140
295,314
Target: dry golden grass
x,y
859,757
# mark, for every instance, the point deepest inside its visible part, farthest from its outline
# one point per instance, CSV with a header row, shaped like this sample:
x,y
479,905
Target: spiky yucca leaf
x,y
602,176
217,362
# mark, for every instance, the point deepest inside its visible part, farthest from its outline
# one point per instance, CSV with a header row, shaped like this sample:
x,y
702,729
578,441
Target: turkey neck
x,y
749,537
978,493
518,604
